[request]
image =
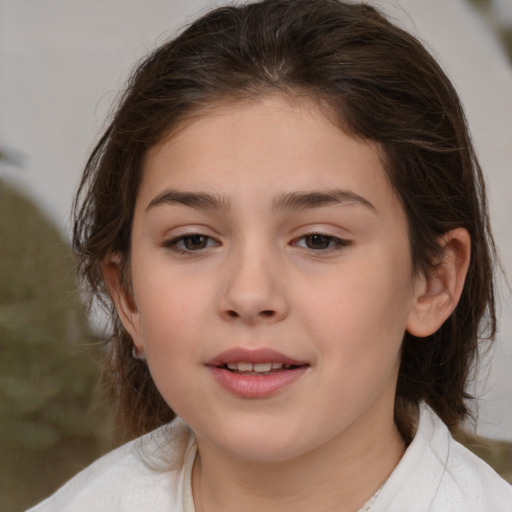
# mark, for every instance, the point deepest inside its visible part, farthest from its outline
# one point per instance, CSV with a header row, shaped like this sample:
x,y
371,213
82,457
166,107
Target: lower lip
x,y
256,386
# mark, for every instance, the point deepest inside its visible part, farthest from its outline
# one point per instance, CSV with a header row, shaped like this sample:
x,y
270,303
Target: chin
x,y
259,442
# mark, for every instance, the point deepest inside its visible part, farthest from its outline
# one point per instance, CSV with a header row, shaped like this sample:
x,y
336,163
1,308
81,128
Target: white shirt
x,y
436,474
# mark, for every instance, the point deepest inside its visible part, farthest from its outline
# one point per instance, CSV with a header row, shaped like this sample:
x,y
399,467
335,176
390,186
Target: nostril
x,y
233,314
267,313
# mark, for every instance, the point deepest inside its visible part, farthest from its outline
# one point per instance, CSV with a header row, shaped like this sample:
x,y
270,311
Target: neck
x,y
340,476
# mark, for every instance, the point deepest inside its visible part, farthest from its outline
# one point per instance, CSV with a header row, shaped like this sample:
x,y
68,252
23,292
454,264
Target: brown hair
x,y
380,84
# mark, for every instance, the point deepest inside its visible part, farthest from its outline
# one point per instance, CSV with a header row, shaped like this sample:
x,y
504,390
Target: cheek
x,y
361,310
172,319
171,310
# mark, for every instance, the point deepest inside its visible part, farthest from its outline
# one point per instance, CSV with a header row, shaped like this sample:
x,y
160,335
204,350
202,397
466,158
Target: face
x,y
272,280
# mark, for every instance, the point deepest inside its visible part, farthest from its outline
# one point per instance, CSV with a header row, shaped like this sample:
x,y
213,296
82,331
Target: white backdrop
x,y
62,62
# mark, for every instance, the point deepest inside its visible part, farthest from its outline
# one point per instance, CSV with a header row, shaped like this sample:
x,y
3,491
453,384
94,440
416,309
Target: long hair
x,y
379,84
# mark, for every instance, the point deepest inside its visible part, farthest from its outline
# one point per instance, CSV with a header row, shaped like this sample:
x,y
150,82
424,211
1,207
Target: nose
x,y
253,289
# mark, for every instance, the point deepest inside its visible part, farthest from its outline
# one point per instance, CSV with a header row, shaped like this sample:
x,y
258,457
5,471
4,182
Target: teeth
x,y
256,367
262,367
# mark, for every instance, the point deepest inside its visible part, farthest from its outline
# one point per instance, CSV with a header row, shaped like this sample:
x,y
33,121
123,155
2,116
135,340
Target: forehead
x,y
275,145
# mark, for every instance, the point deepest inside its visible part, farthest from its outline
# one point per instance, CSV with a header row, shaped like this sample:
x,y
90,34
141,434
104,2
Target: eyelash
x,y
333,243
173,243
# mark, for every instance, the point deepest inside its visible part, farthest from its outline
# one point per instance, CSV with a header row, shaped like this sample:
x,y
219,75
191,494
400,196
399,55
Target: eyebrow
x,y
286,201
317,199
198,200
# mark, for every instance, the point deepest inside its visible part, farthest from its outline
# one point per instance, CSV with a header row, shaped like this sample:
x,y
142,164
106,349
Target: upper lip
x,y
259,355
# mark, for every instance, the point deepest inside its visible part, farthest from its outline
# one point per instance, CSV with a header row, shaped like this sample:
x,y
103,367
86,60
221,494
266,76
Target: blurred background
x,y
62,63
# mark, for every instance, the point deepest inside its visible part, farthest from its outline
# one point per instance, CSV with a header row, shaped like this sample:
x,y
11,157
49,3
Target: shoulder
x,y
468,479
135,476
438,474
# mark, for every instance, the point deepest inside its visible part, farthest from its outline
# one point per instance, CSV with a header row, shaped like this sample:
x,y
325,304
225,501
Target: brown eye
x,y
318,241
188,244
195,242
321,242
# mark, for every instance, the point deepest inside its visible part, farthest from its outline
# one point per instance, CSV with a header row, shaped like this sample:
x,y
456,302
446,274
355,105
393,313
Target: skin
x,y
340,301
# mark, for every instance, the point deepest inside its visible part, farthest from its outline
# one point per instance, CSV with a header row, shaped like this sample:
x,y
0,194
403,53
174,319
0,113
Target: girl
x,y
288,222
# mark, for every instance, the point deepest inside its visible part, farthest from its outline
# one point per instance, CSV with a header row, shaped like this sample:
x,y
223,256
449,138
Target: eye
x,y
321,242
190,243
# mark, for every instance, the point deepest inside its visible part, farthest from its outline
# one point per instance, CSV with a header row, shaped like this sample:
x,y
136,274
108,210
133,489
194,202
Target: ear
x,y
122,297
437,294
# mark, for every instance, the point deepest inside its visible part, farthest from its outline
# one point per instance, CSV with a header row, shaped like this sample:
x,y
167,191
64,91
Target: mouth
x,y
256,373
268,368
258,361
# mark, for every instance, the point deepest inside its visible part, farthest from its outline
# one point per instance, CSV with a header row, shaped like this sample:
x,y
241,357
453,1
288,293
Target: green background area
x,y
53,420
502,31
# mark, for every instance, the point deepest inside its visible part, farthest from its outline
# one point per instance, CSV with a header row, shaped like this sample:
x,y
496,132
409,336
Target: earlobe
x,y
438,294
121,296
